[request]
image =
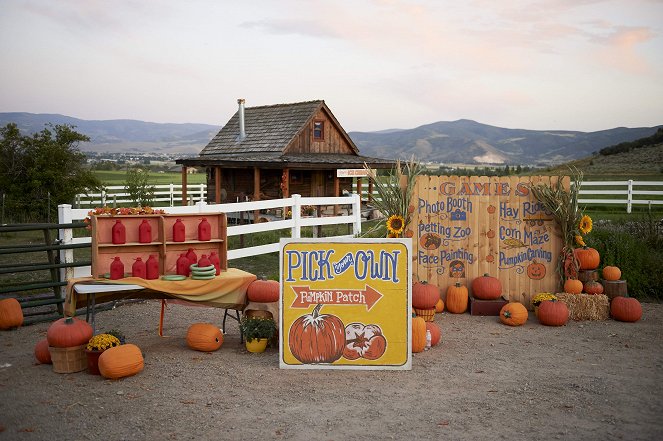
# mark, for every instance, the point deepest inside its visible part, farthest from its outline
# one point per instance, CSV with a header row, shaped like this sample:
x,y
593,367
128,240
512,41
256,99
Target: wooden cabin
x,y
271,152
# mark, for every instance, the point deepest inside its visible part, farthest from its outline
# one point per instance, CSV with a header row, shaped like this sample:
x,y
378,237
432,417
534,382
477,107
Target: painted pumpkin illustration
x,y
430,241
490,234
536,271
457,269
317,338
364,341
491,209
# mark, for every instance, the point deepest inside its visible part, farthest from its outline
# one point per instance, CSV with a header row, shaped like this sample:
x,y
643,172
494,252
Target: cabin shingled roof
x,y
269,129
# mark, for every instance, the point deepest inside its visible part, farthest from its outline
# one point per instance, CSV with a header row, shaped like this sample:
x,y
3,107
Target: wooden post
x,y
337,193
256,192
217,184
359,190
370,190
184,196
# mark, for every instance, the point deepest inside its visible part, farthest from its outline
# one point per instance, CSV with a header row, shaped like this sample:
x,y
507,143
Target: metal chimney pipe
x,y
242,131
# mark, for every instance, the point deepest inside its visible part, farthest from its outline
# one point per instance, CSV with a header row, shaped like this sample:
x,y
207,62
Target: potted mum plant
x,y
98,344
540,297
257,331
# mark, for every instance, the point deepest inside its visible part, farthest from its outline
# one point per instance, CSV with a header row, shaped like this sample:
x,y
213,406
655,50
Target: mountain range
x,y
463,141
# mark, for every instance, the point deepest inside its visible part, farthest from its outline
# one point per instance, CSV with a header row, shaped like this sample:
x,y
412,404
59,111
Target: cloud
x,y
294,27
620,49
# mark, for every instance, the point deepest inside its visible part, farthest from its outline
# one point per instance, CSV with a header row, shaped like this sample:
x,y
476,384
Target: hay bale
x,y
586,306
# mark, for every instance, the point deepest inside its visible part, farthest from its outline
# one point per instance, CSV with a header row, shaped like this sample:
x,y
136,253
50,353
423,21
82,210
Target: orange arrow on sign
x,y
305,296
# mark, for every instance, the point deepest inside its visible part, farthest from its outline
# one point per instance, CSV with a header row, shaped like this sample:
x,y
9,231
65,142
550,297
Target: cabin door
x,y
318,184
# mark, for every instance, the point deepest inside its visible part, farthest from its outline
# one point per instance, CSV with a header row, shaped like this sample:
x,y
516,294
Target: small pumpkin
x,y
457,298
593,287
486,287
42,354
204,337
425,295
121,361
553,313
588,258
573,286
611,273
263,291
625,309
418,334
439,306
317,338
435,333
513,314
69,332
11,314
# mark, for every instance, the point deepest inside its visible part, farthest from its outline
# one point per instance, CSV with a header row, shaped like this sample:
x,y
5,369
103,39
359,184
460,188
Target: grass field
x,y
117,177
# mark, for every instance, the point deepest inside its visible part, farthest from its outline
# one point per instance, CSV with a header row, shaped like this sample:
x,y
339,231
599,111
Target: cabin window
x,y
318,130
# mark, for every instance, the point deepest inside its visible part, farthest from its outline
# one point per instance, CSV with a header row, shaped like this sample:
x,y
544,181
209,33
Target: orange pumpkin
x,y
439,306
486,288
625,309
536,271
317,338
593,287
513,314
121,361
553,313
425,295
611,273
573,286
435,333
263,291
588,258
68,332
204,337
42,354
11,314
418,334
457,298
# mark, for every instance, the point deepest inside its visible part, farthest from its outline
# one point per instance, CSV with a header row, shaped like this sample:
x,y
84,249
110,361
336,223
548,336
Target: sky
x,y
379,64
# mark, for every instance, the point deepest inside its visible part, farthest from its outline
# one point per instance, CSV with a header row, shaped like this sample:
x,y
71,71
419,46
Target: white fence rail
x,y
627,193
164,195
350,215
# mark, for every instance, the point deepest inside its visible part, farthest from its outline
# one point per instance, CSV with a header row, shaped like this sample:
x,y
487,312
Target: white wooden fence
x,y
350,215
167,195
632,190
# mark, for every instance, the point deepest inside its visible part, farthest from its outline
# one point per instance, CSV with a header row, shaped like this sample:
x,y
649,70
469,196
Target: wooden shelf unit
x,y
162,246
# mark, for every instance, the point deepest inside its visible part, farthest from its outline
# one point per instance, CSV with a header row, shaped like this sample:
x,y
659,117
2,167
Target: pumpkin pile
x,y
67,338
425,297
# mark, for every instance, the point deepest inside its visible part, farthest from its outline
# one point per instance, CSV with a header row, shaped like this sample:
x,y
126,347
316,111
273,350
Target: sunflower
x,y
585,225
395,224
579,240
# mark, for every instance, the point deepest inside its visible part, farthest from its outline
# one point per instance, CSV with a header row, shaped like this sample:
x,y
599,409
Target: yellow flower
x,y
537,299
580,241
585,224
396,224
102,342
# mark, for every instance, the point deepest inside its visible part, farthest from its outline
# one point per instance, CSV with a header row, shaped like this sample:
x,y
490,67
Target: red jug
x,y
183,265
204,230
119,233
178,231
138,269
145,232
116,269
204,261
191,255
214,260
152,268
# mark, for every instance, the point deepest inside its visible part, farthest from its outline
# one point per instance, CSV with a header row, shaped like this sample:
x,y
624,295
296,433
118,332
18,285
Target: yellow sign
x,y
345,304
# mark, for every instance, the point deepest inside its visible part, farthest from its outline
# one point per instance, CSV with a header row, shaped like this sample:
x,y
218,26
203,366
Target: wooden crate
x,y
162,246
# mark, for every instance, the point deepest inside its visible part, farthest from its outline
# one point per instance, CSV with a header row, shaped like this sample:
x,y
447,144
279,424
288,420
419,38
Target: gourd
x,y
11,314
42,354
553,313
418,334
593,287
68,332
611,273
439,306
121,361
263,291
457,298
588,258
425,295
317,338
486,288
626,309
573,286
204,337
435,333
513,314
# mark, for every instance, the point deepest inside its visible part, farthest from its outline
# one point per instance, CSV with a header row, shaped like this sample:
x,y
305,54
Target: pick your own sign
x,y
345,304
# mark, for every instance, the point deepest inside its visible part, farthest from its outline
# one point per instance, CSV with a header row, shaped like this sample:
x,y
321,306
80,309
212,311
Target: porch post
x,y
217,184
337,192
185,200
256,192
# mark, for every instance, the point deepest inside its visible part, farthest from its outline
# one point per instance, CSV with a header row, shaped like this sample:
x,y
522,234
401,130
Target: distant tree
x,y
39,172
138,186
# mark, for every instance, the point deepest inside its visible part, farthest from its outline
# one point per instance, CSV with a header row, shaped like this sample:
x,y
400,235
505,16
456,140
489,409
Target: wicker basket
x,y
68,360
427,314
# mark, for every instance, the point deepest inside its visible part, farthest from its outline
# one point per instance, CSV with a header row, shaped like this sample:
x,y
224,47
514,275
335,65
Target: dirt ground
x,y
584,381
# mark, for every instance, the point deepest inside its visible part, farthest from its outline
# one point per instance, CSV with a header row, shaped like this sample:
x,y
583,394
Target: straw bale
x,y
586,306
